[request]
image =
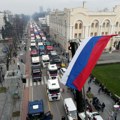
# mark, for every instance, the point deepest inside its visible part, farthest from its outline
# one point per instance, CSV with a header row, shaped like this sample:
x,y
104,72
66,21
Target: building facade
x,y
79,23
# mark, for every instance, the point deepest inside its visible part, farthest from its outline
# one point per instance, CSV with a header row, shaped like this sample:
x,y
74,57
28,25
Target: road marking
x,y
31,82
34,83
48,100
38,82
27,82
32,92
58,110
45,79
42,81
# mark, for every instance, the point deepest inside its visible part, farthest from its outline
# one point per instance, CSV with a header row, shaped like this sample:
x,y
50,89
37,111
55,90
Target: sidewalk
x,y
109,103
10,106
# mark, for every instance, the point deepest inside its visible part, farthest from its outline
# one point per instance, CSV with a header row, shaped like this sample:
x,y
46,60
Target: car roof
x,y
53,84
35,107
70,104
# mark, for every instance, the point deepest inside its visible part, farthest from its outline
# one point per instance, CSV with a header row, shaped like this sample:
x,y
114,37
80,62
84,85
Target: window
x,y
95,34
76,26
79,35
92,25
106,33
102,33
117,24
96,25
108,24
91,34
115,32
119,33
103,24
80,26
75,36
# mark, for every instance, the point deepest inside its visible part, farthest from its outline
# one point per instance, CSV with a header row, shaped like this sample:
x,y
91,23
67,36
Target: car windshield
x,y
38,74
54,91
45,60
53,72
73,114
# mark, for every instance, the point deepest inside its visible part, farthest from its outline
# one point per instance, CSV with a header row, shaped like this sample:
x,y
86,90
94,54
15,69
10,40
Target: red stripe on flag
x,y
95,54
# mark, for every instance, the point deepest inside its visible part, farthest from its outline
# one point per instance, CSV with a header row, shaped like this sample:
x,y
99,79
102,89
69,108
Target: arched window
x,y
96,25
76,25
95,34
102,33
80,26
75,36
91,34
92,25
79,35
108,24
103,24
106,33
117,24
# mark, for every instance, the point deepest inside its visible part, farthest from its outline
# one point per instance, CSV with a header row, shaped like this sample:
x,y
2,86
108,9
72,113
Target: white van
x,y
70,109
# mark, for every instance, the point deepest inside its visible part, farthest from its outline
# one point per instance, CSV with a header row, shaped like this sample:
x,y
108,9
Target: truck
x,y
35,61
36,111
52,71
36,74
36,69
45,60
70,109
53,90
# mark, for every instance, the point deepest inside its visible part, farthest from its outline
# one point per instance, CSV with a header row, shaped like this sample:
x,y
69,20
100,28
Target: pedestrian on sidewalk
x,y
89,89
99,90
103,106
89,81
3,77
115,115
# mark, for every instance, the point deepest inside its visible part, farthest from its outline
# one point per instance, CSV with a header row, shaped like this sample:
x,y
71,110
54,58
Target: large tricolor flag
x,y
84,61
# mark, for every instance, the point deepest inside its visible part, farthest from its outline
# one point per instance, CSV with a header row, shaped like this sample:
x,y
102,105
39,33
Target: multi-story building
x,y
2,21
79,23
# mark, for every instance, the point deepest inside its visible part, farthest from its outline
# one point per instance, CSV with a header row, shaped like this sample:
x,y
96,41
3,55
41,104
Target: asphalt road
x,y
37,90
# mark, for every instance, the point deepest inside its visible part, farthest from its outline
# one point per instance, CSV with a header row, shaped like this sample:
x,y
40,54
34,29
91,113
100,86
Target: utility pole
x,y
79,96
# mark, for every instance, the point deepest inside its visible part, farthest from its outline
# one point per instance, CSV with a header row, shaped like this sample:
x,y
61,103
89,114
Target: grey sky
x,y
31,6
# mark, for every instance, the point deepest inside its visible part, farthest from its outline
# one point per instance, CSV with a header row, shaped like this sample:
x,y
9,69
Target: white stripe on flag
x,y
80,48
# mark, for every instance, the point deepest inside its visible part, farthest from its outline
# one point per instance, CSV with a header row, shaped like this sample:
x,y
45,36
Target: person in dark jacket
x,y
103,106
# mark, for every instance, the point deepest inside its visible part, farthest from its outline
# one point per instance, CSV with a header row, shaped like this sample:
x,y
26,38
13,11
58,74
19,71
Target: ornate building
x,y
79,23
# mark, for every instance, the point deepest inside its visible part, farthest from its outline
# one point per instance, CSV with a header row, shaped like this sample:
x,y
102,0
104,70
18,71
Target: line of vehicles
x,y
44,56
41,51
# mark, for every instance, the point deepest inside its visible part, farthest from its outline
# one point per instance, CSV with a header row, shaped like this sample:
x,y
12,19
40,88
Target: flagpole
x,y
84,97
79,96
